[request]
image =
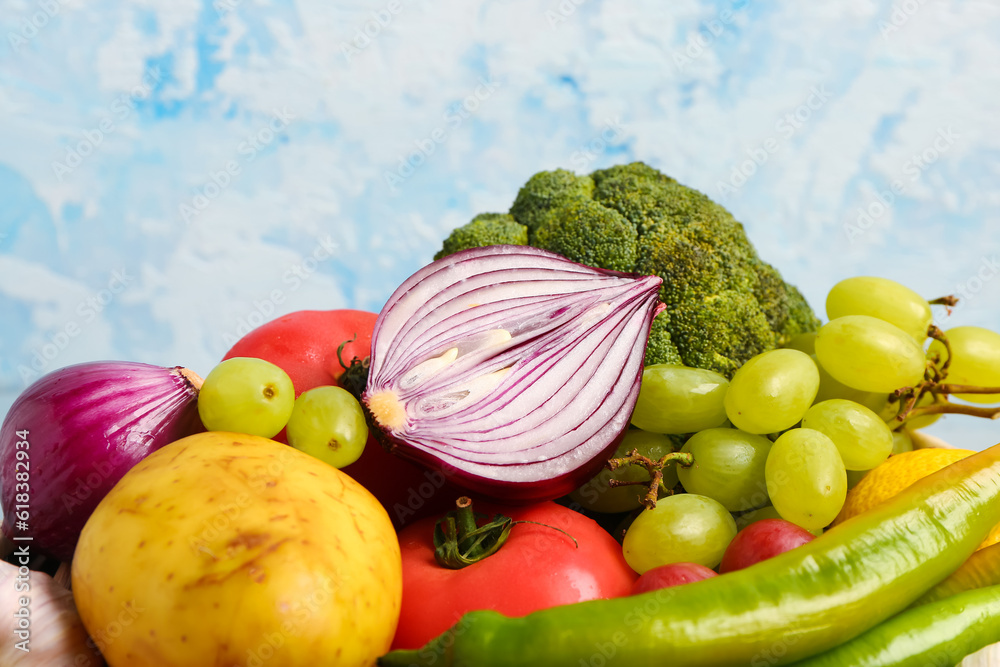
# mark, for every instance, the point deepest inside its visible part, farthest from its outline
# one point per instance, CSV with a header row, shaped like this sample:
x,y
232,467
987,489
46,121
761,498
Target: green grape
x,y
901,441
598,495
861,437
976,360
728,467
806,478
677,399
882,298
830,387
246,395
803,342
869,354
766,512
329,424
683,528
888,412
772,391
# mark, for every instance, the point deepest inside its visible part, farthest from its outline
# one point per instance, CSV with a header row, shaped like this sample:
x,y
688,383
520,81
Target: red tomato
x,y
538,567
672,574
762,540
304,344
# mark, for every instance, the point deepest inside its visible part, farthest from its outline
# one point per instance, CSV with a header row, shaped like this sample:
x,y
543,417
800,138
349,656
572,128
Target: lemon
x,y
895,474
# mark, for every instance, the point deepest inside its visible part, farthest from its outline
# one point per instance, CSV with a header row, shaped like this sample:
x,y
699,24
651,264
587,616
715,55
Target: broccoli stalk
x,y
724,304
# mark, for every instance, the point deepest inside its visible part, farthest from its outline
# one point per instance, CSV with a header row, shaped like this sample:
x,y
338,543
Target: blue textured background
x,y
174,171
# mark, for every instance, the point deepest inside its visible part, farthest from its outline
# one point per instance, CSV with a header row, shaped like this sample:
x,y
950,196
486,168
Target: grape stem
x,y
966,389
951,408
935,385
949,301
938,335
655,469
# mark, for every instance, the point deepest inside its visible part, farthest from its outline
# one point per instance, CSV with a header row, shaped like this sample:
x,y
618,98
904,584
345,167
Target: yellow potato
x,y
225,549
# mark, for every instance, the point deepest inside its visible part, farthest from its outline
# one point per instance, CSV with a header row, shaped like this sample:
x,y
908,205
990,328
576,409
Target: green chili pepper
x,y
789,607
981,570
938,633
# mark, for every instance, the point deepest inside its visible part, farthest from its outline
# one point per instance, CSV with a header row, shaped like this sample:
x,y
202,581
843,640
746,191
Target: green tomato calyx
x,y
459,540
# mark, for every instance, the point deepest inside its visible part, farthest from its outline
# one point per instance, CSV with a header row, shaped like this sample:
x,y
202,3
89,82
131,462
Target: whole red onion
x,y
73,433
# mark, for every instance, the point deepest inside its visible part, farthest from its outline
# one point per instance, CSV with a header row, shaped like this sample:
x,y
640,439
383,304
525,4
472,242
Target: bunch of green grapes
x,y
254,396
794,427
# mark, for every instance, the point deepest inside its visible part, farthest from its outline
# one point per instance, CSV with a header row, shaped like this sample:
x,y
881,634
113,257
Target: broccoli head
x,y
724,304
721,331
547,191
586,232
485,229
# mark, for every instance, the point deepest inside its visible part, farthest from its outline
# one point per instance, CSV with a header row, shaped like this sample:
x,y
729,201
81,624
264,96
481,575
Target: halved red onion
x,y
74,432
511,369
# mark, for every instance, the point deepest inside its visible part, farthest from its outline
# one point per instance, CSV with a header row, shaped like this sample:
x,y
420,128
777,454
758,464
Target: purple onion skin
x,y
87,425
501,491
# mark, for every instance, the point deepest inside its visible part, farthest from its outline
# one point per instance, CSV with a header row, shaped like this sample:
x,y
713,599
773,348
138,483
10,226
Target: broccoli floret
x,y
693,263
724,304
584,231
660,349
801,318
721,331
783,305
485,229
772,295
546,191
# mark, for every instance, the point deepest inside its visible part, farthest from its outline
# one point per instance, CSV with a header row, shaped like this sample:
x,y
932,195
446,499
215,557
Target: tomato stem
x,y
340,351
355,376
459,541
465,520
